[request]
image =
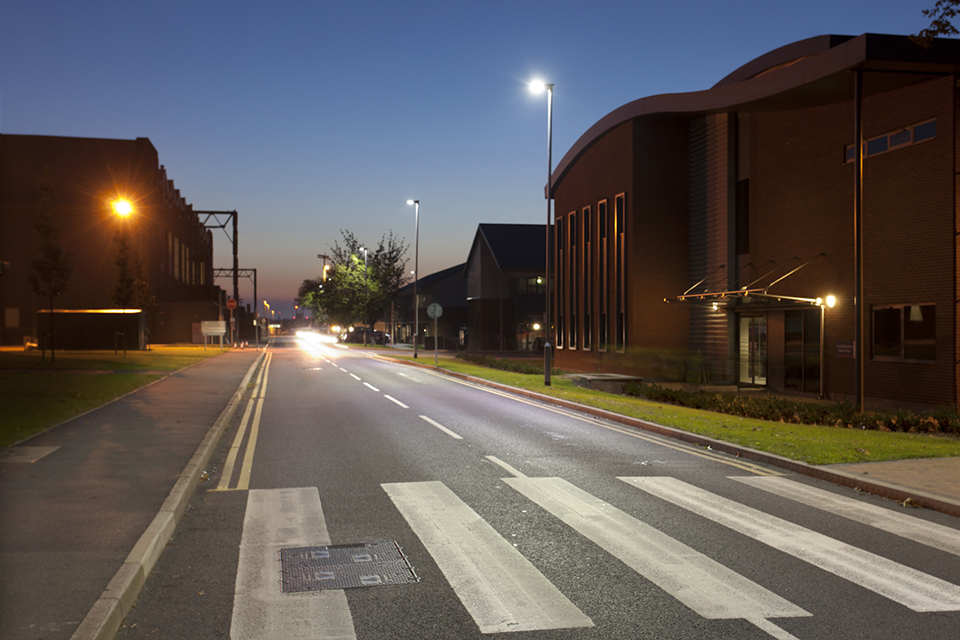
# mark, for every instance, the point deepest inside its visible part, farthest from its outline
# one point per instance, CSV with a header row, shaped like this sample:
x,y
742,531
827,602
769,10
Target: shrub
x,y
841,414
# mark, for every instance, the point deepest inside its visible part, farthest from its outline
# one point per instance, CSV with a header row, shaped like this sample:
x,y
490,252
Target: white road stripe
x,y
274,519
899,524
355,377
394,400
709,588
367,384
911,588
442,428
500,588
506,467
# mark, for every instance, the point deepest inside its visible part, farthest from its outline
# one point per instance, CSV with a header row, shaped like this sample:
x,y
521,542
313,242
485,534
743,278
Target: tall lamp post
x,y
366,296
416,272
538,86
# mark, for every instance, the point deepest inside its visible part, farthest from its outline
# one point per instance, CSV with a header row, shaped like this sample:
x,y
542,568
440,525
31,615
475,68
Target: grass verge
x,y
37,395
813,444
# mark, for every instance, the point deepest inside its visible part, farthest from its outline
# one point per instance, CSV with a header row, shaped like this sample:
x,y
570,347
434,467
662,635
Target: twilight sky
x,y
309,117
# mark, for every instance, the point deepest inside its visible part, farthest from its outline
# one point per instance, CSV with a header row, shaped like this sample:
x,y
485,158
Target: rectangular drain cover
x,y
343,567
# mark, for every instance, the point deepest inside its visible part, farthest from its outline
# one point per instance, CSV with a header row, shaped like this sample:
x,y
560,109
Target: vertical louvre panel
x,y
708,235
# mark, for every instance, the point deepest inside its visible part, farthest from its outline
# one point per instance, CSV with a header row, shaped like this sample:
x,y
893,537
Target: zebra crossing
x,y
503,591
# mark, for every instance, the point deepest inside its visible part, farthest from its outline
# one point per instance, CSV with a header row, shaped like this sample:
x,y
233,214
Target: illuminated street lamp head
x,y
539,86
122,207
413,202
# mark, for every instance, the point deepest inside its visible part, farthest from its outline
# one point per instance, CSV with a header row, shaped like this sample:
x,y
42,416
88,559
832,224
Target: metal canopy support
x,y
221,218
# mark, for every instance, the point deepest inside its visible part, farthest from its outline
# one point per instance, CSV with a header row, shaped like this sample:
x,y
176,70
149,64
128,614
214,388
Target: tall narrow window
x,y
603,286
559,269
620,265
574,280
587,278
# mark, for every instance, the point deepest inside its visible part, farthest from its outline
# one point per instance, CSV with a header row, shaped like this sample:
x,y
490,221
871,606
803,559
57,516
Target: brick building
x,y
699,236
86,175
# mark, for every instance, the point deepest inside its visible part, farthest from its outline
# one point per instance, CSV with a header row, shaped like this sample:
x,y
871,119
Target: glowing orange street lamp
x,y
122,207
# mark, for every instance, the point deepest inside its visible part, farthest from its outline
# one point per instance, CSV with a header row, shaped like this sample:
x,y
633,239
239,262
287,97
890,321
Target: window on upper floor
x,y
893,140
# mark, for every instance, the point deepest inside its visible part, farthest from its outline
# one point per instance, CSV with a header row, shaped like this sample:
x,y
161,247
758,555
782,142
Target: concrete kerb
x,y
105,617
876,487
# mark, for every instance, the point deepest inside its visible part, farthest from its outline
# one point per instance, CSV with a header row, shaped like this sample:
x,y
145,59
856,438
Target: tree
x,y
50,271
941,24
123,290
353,292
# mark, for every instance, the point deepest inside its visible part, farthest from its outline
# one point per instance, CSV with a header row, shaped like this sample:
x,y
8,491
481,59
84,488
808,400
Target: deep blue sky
x,y
311,117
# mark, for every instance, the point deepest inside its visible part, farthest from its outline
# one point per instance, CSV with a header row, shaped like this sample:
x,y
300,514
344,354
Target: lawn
x,y
36,395
812,444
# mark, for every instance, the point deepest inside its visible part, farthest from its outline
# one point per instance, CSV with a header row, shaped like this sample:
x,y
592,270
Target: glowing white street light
x,y
416,272
538,86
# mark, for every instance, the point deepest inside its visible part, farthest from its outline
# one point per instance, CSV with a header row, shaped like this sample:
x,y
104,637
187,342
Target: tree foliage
x,y
123,290
50,271
941,22
354,293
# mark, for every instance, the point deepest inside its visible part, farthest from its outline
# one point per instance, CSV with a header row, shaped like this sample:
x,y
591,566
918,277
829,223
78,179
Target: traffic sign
x,y
231,304
434,311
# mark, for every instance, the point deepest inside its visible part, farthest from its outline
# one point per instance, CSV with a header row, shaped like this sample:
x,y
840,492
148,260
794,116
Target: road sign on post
x,y
435,311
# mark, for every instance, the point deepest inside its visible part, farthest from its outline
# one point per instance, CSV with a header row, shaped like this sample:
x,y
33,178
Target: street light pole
x,y
538,86
366,296
416,273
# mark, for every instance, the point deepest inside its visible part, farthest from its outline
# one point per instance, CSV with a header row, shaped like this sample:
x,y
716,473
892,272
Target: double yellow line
x,y
256,398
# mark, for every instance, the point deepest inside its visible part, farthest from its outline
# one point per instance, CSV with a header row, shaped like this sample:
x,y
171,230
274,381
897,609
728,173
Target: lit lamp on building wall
x,y
538,86
830,301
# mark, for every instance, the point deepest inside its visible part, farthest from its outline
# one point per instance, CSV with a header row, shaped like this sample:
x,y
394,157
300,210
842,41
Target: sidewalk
x,y
76,499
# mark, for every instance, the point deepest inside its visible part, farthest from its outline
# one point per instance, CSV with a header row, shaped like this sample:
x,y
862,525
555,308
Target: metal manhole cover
x,y
343,567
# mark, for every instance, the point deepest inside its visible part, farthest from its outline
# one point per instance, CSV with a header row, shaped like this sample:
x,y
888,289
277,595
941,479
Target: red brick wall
x,y
647,161
802,205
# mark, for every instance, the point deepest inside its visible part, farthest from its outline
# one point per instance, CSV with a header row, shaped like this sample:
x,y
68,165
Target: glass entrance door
x,y
753,350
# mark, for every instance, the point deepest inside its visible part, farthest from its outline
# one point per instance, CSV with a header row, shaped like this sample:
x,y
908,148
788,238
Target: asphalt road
x,y
519,520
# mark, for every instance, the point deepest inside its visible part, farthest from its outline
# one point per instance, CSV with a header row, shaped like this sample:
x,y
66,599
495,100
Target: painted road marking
x,y
278,518
514,472
355,377
633,432
394,400
442,428
911,588
899,524
500,588
702,584
367,384
259,386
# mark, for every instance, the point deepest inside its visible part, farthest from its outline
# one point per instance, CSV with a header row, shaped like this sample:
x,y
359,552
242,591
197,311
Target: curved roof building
x,y
696,232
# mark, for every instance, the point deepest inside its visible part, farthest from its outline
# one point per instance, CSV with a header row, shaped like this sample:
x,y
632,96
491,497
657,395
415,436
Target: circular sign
x,y
434,311
231,304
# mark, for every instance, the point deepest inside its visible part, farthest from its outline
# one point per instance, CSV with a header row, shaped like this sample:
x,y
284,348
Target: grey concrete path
x,y
78,498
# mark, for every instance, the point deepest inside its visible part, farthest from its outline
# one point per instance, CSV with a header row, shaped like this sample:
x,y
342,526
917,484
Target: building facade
x,y
506,288
700,236
84,176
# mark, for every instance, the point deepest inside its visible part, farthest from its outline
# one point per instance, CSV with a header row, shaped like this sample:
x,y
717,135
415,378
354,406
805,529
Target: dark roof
x,y
809,72
516,247
428,280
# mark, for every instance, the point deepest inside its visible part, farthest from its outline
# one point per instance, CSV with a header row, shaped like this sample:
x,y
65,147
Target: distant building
x,y
87,175
446,288
506,288
698,235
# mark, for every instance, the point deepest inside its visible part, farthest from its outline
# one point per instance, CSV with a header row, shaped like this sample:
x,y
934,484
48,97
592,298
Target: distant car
x,y
355,336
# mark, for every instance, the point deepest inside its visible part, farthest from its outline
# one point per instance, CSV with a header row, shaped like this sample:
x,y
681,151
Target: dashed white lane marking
x,y
367,384
911,588
275,519
355,377
500,588
394,400
443,428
